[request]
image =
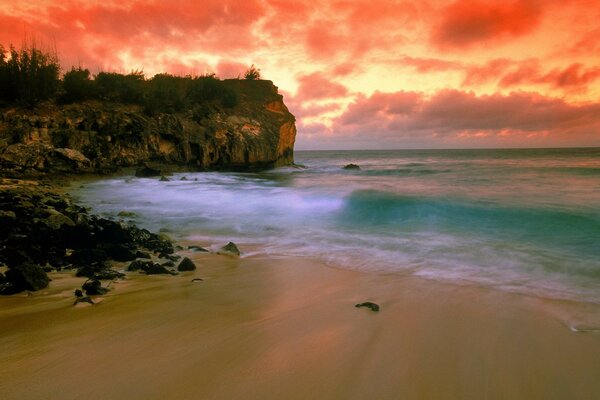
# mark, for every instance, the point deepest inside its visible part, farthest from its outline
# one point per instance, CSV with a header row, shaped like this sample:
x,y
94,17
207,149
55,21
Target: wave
x,y
575,231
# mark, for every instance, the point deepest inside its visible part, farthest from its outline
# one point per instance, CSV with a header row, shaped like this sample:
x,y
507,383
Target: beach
x,y
270,328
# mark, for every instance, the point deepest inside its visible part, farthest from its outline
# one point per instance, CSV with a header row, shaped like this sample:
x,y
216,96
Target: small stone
x,y
168,264
164,179
93,287
146,171
186,265
229,249
370,305
78,293
127,214
197,248
351,166
197,280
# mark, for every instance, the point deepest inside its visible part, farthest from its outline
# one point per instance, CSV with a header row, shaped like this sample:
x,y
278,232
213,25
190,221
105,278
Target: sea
x,y
519,220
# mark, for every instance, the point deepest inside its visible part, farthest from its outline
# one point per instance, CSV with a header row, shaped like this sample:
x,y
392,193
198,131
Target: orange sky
x,y
360,73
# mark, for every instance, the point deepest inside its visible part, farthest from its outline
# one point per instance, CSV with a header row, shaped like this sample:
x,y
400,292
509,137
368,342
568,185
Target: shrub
x,y
121,88
77,85
252,74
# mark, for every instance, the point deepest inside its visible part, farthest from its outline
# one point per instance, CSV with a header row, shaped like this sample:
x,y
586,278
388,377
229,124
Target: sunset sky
x,y
360,73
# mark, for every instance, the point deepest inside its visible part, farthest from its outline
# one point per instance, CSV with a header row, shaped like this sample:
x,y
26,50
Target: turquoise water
x,y
517,220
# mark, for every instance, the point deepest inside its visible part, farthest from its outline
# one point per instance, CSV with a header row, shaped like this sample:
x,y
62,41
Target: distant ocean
x,y
524,220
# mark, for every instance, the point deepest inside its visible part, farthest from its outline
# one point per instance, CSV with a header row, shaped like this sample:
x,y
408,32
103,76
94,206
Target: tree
x,y
29,75
252,74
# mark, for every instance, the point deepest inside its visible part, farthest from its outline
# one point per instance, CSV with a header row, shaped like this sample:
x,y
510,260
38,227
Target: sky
x,y
360,74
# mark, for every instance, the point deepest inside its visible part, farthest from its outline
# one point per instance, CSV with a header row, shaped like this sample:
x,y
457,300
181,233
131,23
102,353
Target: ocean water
x,y
518,220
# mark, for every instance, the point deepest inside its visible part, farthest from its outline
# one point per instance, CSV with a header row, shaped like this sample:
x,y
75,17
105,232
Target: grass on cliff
x,y
30,76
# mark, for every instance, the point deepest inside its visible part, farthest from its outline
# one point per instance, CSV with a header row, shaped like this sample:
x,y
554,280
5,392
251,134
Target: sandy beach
x,y
265,328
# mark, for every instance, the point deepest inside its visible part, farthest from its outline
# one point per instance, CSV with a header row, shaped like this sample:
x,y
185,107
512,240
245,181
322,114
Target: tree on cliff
x,y
253,74
29,75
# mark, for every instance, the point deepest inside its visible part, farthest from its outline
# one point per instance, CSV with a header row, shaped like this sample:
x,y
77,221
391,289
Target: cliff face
x,y
259,132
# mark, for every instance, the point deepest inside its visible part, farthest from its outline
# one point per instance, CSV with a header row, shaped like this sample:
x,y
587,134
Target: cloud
x,y
449,116
466,23
140,32
318,86
426,65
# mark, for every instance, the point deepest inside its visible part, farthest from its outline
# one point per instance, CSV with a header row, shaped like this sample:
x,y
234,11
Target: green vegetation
x,y
253,74
30,76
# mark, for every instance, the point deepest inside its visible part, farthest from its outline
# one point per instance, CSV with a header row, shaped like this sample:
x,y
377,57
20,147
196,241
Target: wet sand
x,y
264,328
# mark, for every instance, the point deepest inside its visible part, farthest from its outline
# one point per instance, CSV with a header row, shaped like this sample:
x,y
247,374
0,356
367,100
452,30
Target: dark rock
x,y
156,269
351,166
142,254
186,265
93,287
119,252
197,280
368,304
170,257
164,179
28,277
7,216
13,257
78,293
139,265
7,289
146,171
229,249
2,278
183,178
197,248
168,264
113,232
82,299
127,214
56,220
88,256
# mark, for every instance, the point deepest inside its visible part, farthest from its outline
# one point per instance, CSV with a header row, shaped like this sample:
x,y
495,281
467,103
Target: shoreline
x,y
259,327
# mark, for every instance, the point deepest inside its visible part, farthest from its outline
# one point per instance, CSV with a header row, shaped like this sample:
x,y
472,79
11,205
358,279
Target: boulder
x,y
88,256
56,220
186,265
119,252
65,159
28,277
229,249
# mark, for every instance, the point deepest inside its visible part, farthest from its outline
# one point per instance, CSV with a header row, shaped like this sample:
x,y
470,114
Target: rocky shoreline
x,y
42,230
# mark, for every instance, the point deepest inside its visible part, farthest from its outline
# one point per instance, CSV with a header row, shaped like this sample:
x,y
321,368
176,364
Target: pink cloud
x,y
317,86
452,114
465,23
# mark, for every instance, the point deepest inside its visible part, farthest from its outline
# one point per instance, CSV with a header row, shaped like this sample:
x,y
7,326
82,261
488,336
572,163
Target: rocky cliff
x,y
94,136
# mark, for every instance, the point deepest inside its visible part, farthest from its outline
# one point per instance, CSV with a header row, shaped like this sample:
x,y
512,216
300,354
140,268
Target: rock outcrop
x,y
93,136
